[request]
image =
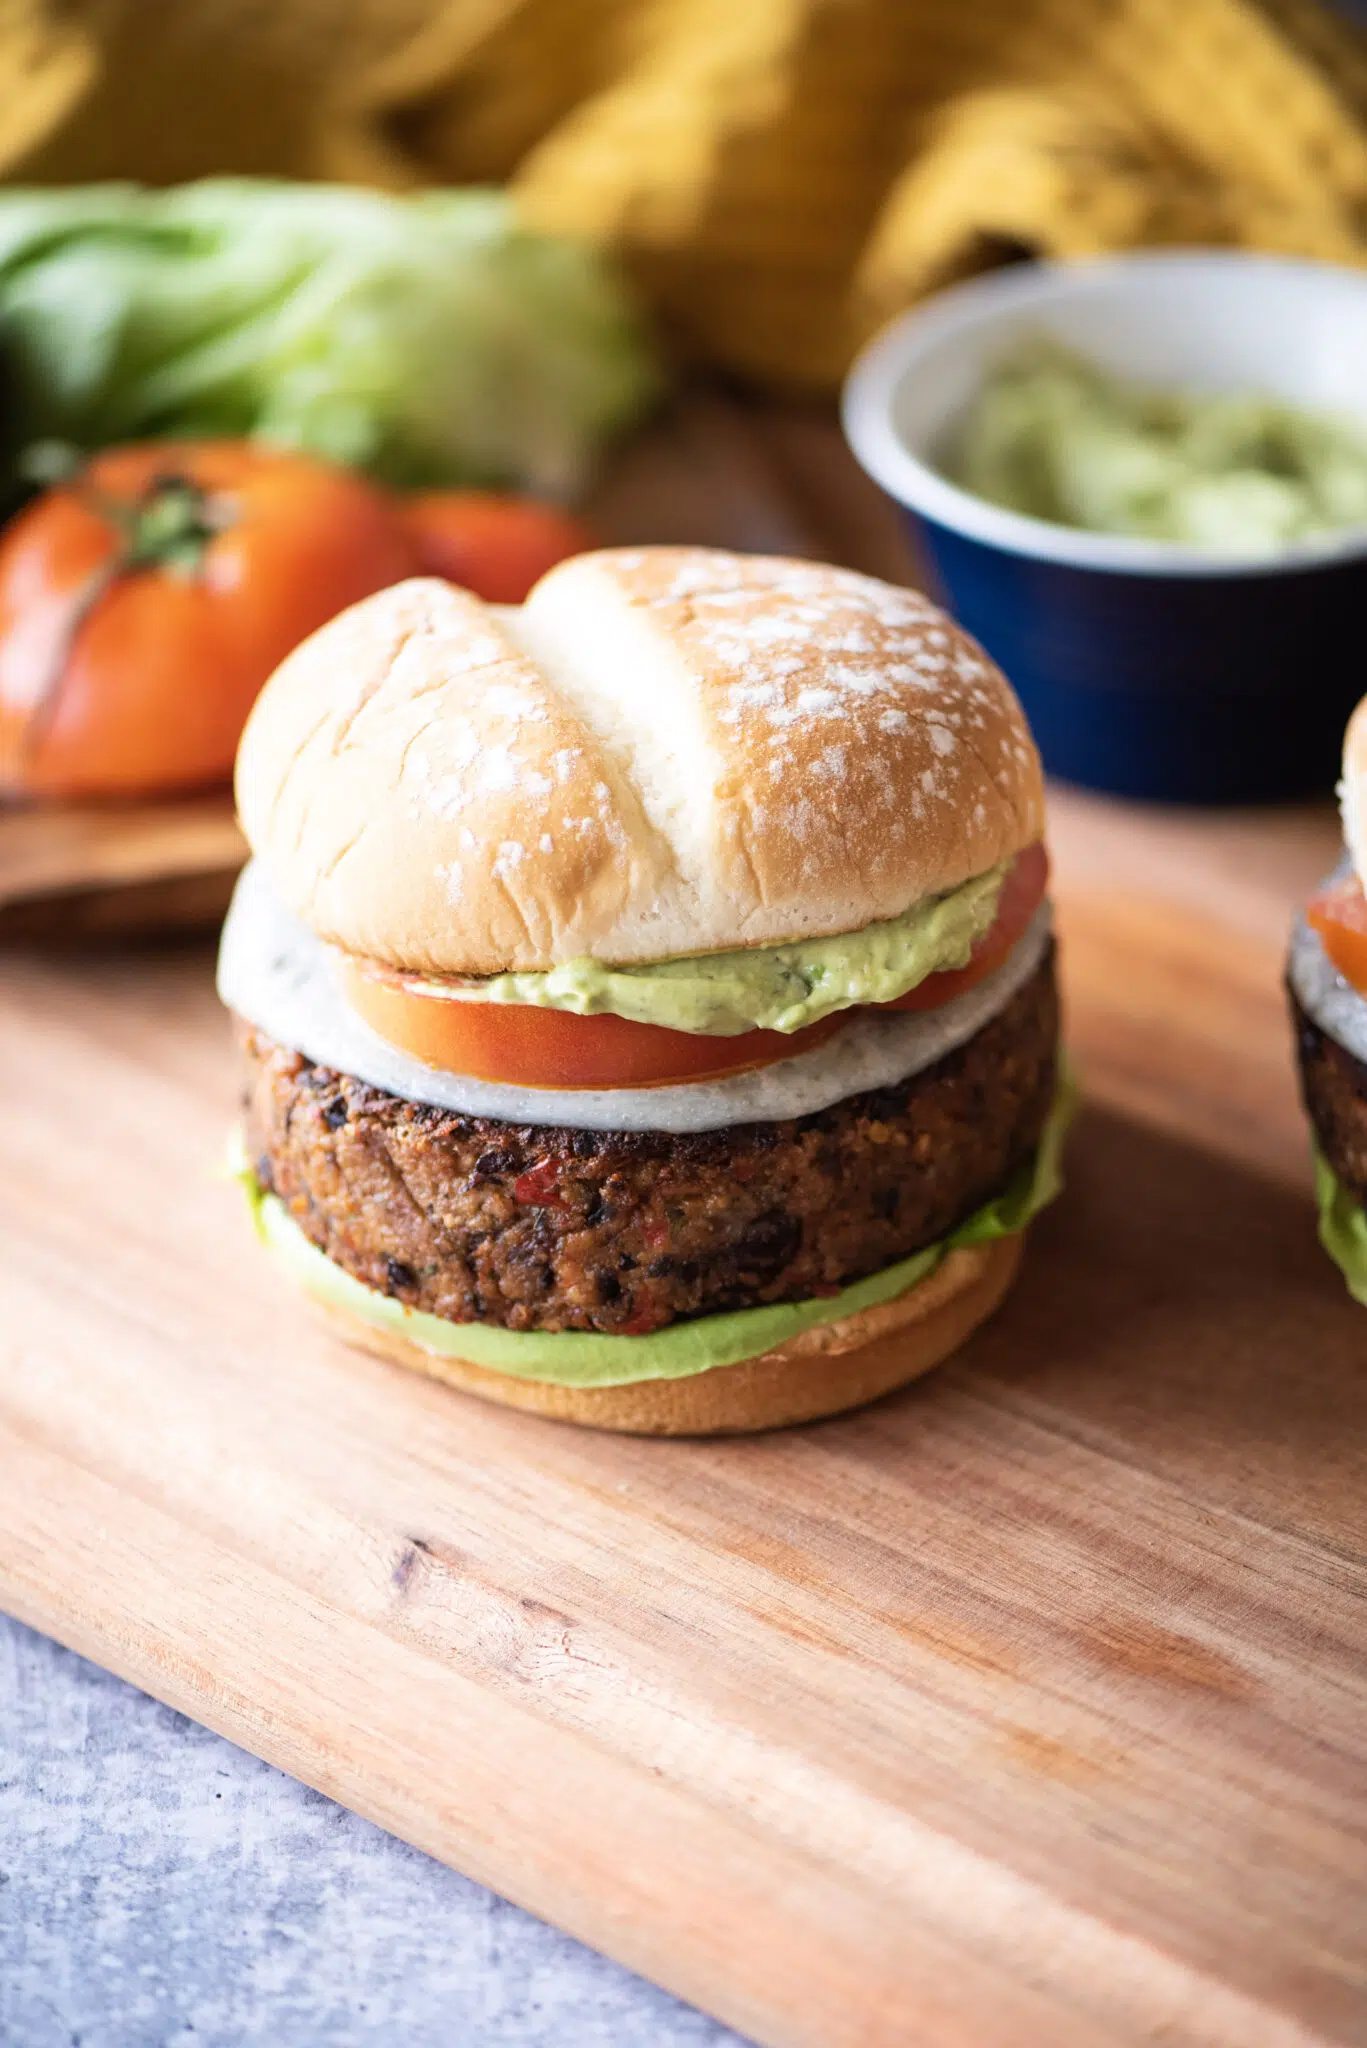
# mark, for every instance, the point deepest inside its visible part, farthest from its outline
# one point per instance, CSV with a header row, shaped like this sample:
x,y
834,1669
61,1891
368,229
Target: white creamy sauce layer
x,y
1321,990
278,976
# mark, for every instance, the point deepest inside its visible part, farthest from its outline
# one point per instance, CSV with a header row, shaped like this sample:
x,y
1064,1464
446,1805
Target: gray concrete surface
x,y
161,1889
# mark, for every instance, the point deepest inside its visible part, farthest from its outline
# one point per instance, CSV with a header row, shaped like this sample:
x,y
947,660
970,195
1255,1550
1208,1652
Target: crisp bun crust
x,y
822,1372
664,751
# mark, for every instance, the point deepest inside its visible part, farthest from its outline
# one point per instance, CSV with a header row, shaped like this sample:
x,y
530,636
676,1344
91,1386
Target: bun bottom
x,y
821,1372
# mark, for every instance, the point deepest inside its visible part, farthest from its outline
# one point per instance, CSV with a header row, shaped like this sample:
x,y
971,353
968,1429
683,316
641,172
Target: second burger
x,y
646,994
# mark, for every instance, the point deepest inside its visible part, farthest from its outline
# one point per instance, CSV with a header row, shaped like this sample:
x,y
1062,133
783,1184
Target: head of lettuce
x,y
428,338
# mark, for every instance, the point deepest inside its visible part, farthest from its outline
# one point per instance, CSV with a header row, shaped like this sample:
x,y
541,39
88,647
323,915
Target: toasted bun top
x,y
664,751
1353,790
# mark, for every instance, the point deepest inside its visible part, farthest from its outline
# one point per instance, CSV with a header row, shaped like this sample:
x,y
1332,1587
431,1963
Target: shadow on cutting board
x,y
1180,1307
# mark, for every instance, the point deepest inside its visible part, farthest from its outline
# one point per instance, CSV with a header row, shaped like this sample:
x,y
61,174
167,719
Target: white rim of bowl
x,y
872,385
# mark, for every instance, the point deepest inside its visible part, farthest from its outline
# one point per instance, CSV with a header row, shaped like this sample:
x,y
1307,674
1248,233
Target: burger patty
x,y
1334,1090
538,1227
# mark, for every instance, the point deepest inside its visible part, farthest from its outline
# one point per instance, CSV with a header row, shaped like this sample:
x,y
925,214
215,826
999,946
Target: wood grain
x,y
1026,1707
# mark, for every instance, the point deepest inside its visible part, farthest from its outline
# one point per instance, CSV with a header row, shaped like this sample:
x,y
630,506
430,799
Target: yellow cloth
x,y
780,175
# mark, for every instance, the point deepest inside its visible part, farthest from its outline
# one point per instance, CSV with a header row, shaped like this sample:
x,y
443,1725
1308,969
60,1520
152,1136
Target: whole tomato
x,y
494,544
144,602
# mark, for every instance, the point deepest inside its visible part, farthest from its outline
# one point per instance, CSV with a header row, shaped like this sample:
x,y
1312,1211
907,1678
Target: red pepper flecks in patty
x,y
540,1185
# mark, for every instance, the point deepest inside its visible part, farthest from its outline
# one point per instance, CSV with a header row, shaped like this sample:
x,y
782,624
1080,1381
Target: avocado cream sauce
x,y
773,988
1052,435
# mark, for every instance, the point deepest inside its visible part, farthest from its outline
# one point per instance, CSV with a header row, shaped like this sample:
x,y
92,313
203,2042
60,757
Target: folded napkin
x,y
779,175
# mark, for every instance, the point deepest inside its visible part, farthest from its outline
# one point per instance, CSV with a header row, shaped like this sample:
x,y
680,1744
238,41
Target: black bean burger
x,y
1327,986
647,994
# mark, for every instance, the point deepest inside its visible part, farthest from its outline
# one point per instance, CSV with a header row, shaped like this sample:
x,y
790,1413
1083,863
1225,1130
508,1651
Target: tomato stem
x,y
170,526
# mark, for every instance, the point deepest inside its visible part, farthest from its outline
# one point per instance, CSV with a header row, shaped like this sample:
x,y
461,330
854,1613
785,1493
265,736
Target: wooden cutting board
x,y
75,872
1028,1707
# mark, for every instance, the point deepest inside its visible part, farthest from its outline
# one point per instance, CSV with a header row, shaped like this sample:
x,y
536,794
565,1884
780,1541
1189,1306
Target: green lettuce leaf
x,y
583,1359
428,338
1343,1227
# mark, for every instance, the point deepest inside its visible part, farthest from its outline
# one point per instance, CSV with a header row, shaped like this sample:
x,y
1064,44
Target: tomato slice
x,y
526,1047
1338,913
1025,883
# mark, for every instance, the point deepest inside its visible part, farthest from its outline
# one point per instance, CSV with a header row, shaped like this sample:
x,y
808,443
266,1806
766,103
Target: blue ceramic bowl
x,y
1146,669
